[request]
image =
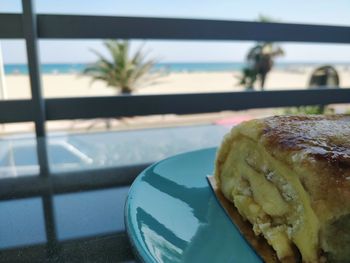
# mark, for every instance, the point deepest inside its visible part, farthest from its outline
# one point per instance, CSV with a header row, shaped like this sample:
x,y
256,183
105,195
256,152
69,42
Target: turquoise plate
x,y
172,215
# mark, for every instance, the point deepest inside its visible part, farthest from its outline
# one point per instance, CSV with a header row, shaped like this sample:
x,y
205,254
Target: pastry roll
x,y
289,176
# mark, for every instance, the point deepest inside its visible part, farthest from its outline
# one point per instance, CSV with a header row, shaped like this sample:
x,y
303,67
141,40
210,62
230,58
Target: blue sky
x,y
334,12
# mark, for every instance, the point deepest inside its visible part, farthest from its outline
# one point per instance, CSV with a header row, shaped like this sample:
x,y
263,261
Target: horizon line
x,y
190,62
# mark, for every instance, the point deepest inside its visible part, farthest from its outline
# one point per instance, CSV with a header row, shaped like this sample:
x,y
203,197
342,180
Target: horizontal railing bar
x,y
126,106
11,26
59,183
23,187
96,178
103,107
16,111
79,26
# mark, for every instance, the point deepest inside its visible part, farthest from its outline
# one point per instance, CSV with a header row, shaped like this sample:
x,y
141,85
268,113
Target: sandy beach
x,y
72,85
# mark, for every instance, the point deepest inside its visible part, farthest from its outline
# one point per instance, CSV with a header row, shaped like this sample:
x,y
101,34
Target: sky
x,y
335,12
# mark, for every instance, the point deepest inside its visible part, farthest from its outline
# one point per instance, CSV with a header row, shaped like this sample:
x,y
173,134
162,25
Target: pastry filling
x,y
336,239
270,196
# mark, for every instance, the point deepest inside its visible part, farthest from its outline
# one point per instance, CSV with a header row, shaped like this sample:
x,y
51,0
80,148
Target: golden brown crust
x,y
325,138
320,146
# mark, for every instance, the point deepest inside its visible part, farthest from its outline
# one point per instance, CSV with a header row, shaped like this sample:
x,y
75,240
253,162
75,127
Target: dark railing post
x,y
53,247
30,34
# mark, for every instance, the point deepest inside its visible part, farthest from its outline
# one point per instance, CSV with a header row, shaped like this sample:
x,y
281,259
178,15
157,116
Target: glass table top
x,y
72,152
62,198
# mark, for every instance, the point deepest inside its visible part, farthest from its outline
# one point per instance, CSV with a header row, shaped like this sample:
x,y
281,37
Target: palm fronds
x,y
260,59
121,71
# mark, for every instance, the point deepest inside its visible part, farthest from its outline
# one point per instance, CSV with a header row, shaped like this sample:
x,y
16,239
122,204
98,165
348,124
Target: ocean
x,y
169,67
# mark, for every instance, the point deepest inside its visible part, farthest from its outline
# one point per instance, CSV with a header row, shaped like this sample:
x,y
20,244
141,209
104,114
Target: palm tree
x,y
260,60
122,72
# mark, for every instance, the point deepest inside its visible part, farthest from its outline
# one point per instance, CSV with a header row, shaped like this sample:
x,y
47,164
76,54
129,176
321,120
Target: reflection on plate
x,y
173,216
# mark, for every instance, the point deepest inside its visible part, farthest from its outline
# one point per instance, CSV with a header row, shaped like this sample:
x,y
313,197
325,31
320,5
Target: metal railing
x,y
32,27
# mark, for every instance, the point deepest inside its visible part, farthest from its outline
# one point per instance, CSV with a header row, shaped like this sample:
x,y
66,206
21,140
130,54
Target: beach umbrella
x,y
325,76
